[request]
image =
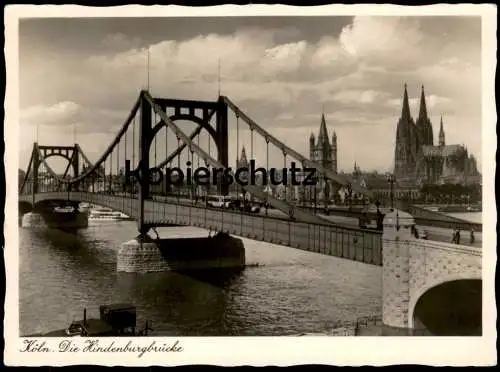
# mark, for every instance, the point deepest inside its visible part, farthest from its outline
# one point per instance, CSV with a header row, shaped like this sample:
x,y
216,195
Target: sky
x,y
283,72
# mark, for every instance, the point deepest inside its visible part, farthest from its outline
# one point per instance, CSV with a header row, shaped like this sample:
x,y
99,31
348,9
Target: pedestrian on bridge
x,y
456,236
472,237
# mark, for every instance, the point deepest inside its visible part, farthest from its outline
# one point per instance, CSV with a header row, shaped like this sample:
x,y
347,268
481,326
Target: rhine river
x,y
283,291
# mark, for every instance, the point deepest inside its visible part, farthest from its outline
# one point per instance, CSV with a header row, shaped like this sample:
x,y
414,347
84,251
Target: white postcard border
x,y
259,351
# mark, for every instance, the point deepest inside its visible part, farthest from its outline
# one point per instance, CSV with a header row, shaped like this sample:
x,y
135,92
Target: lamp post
x,y
391,180
349,193
315,194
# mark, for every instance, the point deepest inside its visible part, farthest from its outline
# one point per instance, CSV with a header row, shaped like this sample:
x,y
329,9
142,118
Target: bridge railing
x,y
343,242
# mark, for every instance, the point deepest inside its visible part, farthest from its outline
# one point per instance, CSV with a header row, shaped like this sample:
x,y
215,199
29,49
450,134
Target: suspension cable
x,y
198,155
155,138
118,158
251,142
285,182
238,187
267,169
178,166
111,171
133,143
193,190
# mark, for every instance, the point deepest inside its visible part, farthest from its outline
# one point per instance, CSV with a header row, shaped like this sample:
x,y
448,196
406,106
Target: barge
x,y
115,320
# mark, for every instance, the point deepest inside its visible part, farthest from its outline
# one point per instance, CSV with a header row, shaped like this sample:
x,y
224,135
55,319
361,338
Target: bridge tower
x,y
35,167
199,112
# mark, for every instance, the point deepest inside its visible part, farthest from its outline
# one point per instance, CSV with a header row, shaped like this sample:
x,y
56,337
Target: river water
x,y
469,216
282,291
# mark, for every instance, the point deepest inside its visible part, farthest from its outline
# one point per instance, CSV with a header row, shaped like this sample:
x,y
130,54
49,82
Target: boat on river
x,y
115,320
107,214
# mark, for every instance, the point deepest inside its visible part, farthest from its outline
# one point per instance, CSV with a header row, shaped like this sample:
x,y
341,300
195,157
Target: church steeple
x,y
243,162
405,113
323,132
423,107
441,133
424,125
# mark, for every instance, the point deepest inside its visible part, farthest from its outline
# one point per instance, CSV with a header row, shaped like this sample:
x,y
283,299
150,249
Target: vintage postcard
x,y
250,185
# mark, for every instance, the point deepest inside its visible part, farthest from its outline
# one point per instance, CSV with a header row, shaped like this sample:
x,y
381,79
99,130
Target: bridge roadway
x,y
340,241
434,233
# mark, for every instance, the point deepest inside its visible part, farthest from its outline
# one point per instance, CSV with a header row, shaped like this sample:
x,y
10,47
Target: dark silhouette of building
x,y
324,153
418,161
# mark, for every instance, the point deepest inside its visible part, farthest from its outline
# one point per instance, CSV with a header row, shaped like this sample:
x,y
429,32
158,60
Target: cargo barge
x,y
115,320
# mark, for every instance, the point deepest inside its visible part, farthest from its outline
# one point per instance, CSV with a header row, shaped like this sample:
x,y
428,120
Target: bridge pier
x,y
396,244
47,215
145,254
31,219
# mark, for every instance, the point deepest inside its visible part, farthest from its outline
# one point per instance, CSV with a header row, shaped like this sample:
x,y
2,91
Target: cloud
x,y
281,79
378,37
120,41
365,97
65,115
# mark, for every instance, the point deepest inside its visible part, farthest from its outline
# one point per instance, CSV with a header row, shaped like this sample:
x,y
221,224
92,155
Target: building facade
x,y
418,161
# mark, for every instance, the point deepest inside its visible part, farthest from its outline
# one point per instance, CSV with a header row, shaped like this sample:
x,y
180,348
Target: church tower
x,y
405,153
441,133
242,161
424,125
334,152
324,153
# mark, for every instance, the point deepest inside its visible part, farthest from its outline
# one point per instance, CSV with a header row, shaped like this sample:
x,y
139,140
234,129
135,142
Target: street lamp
x,y
391,180
349,193
315,193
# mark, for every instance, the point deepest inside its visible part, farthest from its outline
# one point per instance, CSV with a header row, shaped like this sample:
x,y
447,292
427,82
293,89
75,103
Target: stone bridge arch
x,y
419,293
412,267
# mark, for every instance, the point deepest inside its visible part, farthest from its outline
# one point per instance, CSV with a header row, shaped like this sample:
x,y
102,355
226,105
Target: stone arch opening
x,y
451,308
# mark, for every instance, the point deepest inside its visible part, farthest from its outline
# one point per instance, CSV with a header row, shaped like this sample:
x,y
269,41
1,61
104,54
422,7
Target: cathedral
x,y
324,153
418,161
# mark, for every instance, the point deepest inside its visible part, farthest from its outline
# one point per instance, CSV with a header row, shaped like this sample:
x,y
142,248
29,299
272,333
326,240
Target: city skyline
x,y
282,72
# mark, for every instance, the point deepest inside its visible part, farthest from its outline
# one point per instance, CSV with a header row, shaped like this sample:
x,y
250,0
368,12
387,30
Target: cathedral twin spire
x,y
441,133
423,123
405,112
411,136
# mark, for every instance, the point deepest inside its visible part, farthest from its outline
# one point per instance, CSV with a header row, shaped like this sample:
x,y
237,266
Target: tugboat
x,y
115,320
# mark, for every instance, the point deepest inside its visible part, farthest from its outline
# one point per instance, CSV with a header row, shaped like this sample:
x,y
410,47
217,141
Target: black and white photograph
x,y
226,176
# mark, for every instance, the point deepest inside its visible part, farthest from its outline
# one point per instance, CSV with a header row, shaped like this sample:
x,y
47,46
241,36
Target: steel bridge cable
x,y
103,157
108,150
285,182
238,187
291,151
166,164
267,178
293,212
178,166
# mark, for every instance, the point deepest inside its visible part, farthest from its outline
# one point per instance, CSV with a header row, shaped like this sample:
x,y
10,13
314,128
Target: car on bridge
x,y
219,201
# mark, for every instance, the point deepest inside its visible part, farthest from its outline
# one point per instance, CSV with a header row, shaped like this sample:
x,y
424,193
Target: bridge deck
x,y
343,242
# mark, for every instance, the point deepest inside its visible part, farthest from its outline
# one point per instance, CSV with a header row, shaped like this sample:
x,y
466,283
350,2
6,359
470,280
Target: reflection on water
x,y
283,291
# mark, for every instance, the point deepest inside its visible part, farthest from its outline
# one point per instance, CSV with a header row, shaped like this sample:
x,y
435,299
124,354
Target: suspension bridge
x,y
107,181
141,148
